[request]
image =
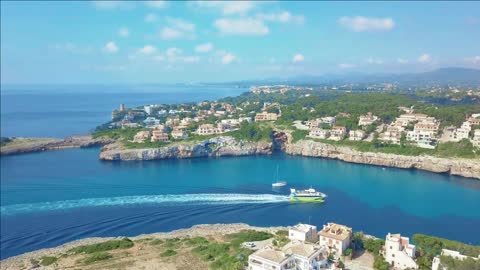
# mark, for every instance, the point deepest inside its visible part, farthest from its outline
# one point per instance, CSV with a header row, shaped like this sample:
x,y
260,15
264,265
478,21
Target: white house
x,y
337,133
336,237
476,138
209,129
303,232
319,133
407,118
179,132
149,109
141,136
393,134
399,253
151,121
424,134
365,120
356,135
293,256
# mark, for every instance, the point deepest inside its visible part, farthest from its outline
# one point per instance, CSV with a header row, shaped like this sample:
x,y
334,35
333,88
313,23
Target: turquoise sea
x,y
54,197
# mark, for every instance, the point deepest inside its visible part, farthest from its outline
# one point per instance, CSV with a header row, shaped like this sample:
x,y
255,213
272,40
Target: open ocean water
x,y
54,197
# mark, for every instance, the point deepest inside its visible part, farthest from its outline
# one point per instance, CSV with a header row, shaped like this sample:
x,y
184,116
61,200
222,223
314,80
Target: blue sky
x,y
164,42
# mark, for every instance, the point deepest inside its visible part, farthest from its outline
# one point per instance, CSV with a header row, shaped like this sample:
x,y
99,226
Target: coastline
x,y
196,230
228,146
20,145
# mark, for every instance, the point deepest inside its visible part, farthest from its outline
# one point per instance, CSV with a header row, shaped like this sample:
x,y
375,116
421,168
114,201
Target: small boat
x,y
278,183
307,195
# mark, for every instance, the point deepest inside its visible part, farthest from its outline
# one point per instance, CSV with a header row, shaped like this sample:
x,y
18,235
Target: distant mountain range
x,y
442,76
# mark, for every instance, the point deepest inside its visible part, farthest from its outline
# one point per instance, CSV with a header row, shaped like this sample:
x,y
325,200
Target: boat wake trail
x,y
169,199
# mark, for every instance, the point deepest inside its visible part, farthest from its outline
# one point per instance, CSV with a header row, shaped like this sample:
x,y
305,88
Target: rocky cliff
x,y
214,147
229,146
462,167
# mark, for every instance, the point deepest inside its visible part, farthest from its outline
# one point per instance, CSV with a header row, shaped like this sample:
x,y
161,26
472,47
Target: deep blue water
x,y
54,197
87,197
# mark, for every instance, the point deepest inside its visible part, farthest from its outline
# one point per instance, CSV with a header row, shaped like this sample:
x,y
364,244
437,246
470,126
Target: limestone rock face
x,y
214,147
454,166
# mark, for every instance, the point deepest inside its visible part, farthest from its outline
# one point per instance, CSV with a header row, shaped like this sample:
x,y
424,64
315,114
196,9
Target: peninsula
x,y
422,130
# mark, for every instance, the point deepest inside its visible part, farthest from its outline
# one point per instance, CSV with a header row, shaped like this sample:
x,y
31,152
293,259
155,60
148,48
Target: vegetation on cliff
x,y
462,149
431,246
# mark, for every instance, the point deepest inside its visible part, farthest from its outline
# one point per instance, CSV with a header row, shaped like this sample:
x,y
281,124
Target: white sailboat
x,y
278,183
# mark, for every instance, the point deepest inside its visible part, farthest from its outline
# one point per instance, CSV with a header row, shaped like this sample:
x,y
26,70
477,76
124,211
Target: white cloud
x,y
244,26
402,61
147,49
123,32
228,58
111,47
151,17
474,59
203,48
424,58
158,4
189,59
112,5
237,7
180,24
170,33
172,52
177,28
346,66
374,61
283,17
363,24
298,58
229,7
174,55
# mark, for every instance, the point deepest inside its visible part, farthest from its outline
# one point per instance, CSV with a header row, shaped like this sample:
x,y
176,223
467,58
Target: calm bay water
x,y
54,197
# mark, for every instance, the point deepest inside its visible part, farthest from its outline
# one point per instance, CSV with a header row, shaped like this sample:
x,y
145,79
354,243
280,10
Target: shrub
x,y
48,260
155,242
105,246
247,236
97,256
380,263
195,241
298,135
168,253
211,251
227,262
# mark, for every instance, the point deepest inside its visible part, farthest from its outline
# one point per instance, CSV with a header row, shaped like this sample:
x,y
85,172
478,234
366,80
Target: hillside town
x,y
307,248
202,119
164,123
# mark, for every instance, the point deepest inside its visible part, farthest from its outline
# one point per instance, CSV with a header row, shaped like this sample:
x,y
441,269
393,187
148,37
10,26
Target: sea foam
x,y
168,199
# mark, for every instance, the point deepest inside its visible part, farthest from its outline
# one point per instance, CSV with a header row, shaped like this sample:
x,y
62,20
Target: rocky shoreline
x,y
19,145
462,167
214,147
228,146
